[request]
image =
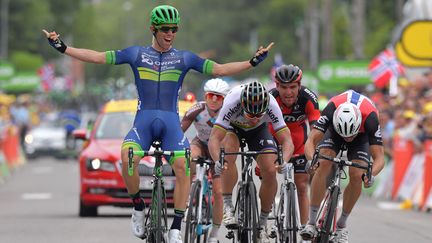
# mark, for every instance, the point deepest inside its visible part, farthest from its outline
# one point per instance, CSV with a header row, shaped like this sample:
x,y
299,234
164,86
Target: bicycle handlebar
x,y
279,153
155,153
343,162
201,161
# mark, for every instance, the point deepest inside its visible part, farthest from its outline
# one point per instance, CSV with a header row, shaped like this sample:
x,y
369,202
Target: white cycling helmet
x,y
217,86
347,120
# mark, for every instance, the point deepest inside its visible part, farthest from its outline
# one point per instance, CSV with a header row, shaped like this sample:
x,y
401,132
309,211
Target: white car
x,y
46,138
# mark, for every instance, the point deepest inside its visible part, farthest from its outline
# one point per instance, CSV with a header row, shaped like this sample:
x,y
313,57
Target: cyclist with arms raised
x,y
203,115
349,120
244,114
159,71
298,105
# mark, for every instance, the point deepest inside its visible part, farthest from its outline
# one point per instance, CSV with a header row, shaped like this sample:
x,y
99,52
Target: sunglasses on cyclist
x,y
214,97
252,116
166,29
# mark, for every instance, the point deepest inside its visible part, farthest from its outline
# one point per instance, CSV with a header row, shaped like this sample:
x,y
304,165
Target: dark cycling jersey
x,y
305,108
158,78
370,123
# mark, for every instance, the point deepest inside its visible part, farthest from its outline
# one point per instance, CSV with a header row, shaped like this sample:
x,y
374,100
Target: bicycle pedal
x,y
230,235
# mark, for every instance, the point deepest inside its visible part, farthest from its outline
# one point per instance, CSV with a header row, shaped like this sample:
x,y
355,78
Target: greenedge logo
x,y
344,72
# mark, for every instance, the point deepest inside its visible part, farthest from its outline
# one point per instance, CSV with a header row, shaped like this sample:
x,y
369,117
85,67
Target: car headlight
x,y
28,138
97,164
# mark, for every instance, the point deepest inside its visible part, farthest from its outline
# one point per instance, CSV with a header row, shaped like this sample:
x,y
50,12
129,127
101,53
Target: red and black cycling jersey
x,y
370,123
305,108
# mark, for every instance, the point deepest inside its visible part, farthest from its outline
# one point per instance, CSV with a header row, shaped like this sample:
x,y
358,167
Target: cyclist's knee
x,y
179,167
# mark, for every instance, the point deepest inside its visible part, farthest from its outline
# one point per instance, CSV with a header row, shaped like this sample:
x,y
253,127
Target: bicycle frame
x,y
206,189
326,223
244,195
157,230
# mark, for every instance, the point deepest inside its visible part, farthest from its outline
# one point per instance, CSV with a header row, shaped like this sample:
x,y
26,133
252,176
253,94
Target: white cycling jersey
x,y
231,113
202,120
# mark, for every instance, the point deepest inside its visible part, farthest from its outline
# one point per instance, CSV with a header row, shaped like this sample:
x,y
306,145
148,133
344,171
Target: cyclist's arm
x,y
315,136
283,137
86,55
232,68
377,152
185,123
215,141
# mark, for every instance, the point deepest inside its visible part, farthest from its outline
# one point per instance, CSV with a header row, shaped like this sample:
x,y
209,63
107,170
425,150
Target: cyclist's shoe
x,y
308,232
174,236
137,223
212,240
263,237
228,217
341,236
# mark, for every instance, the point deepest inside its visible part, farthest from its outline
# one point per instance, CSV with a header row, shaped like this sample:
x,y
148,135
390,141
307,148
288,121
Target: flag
x,y
385,66
47,75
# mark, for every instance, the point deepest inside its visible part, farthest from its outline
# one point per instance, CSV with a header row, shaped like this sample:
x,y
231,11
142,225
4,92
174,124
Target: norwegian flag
x,y
47,75
385,66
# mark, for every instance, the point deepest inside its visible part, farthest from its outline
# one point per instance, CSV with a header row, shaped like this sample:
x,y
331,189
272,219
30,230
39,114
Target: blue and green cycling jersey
x,y
159,75
158,78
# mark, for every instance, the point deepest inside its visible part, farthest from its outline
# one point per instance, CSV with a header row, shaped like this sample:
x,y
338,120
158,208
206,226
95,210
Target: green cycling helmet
x,y
164,14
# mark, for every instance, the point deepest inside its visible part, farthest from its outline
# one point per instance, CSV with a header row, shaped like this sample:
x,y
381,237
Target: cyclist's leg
x,y
358,151
329,146
230,176
301,179
197,150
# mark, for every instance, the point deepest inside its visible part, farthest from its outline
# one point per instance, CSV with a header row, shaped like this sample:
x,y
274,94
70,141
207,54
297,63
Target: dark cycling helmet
x,y
164,14
254,98
288,74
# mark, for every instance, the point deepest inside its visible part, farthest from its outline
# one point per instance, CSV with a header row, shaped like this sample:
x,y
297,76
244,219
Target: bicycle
x,y
326,223
288,212
198,223
156,220
246,206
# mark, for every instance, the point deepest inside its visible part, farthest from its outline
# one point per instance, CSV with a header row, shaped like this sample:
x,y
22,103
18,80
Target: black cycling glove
x,y
58,44
254,61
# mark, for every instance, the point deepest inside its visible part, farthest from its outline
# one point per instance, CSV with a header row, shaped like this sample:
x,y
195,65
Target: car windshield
x,y
115,125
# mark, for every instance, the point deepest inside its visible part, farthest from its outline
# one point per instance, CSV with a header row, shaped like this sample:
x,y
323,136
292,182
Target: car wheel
x,y
87,211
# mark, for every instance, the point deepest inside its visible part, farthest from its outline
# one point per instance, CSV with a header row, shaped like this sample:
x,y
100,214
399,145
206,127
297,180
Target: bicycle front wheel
x,y
292,215
250,230
192,215
157,230
329,219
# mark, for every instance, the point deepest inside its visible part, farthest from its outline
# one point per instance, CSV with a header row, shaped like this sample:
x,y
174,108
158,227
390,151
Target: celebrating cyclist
x,y
349,120
299,106
203,115
159,70
244,114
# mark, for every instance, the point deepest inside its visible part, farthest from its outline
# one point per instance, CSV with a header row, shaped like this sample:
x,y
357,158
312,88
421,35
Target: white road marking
x,y
36,196
42,170
389,205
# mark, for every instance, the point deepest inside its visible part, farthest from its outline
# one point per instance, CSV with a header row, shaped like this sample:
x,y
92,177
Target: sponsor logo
x,y
272,116
146,59
378,132
270,142
323,120
231,111
312,95
288,118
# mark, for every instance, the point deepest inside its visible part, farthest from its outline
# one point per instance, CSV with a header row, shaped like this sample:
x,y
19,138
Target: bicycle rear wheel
x,y
192,215
329,221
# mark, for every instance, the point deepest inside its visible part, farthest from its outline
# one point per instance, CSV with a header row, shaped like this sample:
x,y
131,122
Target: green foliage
x,y
26,62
